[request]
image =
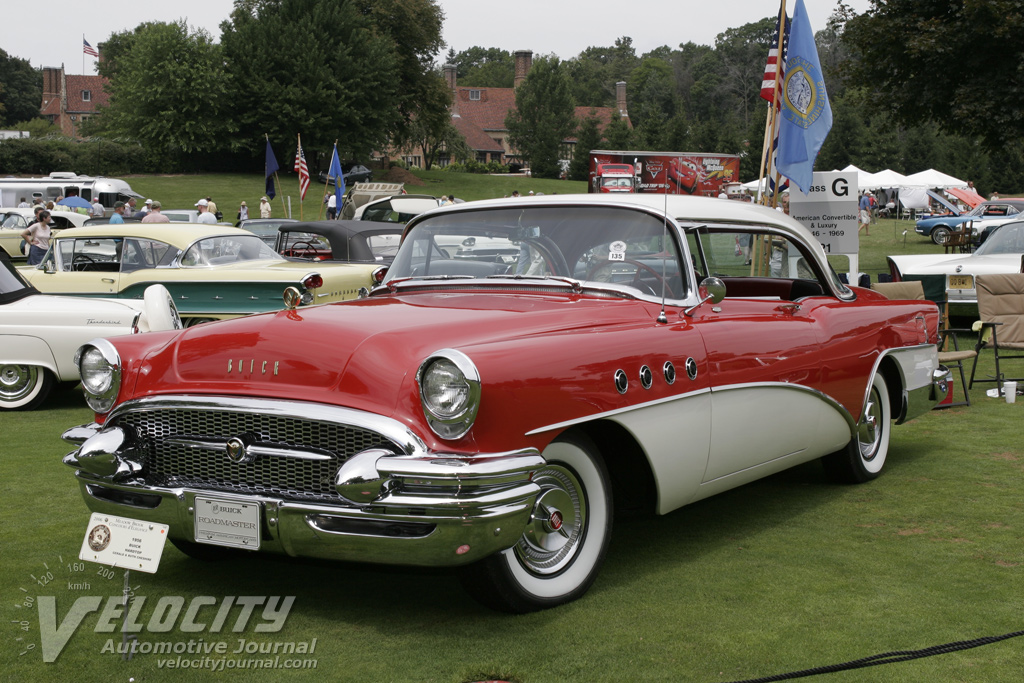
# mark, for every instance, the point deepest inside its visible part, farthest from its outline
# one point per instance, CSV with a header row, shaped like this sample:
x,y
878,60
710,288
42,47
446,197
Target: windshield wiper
x,y
572,282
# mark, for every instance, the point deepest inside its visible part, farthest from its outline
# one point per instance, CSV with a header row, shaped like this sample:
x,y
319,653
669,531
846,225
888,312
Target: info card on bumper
x,y
829,210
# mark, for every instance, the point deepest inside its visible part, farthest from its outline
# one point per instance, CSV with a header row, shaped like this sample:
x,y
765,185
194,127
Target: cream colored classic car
x,y
14,221
212,271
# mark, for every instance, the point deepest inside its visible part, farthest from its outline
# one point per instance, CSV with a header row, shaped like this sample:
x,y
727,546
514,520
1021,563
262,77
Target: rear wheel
x,y
563,546
940,234
24,387
864,457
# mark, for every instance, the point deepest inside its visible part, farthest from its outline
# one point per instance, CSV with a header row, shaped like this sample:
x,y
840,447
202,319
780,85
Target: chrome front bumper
x,y
420,508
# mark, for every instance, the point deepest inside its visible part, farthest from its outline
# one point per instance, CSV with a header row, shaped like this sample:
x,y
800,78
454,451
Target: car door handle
x,y
788,308
108,279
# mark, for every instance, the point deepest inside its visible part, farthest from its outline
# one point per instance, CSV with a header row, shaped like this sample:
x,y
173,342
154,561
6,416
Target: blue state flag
x,y
339,179
806,117
270,168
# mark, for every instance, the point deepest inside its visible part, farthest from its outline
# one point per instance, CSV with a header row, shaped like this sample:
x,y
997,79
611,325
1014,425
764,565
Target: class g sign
x,y
829,210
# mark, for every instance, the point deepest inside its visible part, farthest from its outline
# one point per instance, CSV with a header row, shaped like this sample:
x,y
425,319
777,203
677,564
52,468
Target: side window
x,y
140,253
748,262
93,254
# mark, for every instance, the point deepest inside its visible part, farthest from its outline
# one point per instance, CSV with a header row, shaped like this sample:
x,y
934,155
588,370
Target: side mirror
x,y
710,289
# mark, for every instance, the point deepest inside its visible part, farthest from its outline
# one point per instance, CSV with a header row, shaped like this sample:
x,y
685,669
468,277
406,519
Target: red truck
x,y
612,177
668,172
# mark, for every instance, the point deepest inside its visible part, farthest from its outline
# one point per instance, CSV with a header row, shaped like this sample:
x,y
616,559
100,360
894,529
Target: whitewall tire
x,y
160,312
864,457
24,387
563,546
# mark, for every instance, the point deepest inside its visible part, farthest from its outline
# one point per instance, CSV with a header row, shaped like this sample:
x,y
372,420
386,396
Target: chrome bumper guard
x,y
923,399
425,509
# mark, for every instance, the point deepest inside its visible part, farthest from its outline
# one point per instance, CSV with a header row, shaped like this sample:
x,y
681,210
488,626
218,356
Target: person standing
x,y
204,213
24,204
264,207
243,212
118,215
332,207
146,207
97,210
37,236
865,214
129,208
211,206
154,215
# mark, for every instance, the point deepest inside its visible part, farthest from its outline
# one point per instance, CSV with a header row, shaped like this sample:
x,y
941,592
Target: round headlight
x,y
97,373
449,392
99,366
445,389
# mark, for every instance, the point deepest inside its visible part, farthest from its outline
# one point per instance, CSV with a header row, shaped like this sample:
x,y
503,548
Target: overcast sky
x,y
562,27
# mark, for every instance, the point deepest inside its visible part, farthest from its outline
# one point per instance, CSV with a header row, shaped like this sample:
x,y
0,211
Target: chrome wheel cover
x,y
869,433
559,520
17,381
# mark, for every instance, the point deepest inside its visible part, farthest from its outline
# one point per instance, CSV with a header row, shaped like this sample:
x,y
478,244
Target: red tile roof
x,y
476,137
94,84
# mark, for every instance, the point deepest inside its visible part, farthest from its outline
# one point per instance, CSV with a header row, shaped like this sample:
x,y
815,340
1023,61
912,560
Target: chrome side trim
x,y
617,411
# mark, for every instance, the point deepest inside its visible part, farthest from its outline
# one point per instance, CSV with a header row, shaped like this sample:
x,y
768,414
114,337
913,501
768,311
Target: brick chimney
x,y
524,60
450,78
51,83
620,99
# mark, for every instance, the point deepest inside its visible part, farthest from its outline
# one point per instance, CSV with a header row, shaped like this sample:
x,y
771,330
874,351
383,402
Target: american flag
x,y
89,49
768,82
303,170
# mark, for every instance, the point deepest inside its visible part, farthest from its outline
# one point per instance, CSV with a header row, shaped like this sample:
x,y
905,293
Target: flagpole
x,y
83,54
299,154
773,111
326,182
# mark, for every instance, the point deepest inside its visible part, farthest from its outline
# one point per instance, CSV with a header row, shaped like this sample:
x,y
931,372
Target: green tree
x,y
484,67
954,63
432,129
618,135
544,117
352,70
653,103
742,52
588,138
21,89
174,107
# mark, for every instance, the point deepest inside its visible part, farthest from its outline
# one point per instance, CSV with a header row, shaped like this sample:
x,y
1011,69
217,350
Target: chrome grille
x,y
171,463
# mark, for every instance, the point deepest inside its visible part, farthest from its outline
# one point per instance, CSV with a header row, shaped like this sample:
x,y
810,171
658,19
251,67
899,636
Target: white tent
x,y
883,180
932,179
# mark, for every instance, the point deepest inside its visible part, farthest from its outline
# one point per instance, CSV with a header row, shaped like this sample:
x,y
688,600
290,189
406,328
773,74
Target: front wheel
x,y
564,543
864,457
24,387
940,235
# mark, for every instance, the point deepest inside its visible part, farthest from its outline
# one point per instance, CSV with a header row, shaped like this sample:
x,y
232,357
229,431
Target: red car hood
x,y
360,353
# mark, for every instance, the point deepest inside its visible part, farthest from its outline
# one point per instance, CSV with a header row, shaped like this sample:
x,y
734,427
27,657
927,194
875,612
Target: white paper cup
x,y
1010,391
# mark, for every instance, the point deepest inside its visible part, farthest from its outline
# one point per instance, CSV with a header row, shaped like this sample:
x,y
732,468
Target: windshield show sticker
x,y
617,251
123,542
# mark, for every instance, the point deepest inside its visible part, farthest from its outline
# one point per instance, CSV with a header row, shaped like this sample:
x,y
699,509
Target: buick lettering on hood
x,y
522,370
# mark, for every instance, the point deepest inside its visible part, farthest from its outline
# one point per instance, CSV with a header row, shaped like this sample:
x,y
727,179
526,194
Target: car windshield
x,y
1006,239
215,251
601,246
11,284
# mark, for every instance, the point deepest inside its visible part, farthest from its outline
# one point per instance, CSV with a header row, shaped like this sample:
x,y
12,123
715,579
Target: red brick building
x,y
479,114
69,99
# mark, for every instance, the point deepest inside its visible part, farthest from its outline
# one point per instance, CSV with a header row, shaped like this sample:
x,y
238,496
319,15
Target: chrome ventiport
x,y
621,382
670,372
691,369
646,377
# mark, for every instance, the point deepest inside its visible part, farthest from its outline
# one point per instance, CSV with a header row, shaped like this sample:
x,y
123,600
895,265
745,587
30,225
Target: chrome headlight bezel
x,y
455,423
99,367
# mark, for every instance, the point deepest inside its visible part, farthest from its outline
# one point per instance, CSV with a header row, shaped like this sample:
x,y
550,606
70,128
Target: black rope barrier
x,y
886,658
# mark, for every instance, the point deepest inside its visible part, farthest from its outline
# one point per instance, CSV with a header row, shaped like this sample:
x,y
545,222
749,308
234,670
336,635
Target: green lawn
x,y
787,573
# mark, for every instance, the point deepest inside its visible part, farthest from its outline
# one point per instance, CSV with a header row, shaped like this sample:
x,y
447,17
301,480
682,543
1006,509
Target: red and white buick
x,y
525,366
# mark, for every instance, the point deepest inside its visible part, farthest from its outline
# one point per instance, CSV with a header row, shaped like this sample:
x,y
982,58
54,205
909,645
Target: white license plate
x,y
961,282
227,522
